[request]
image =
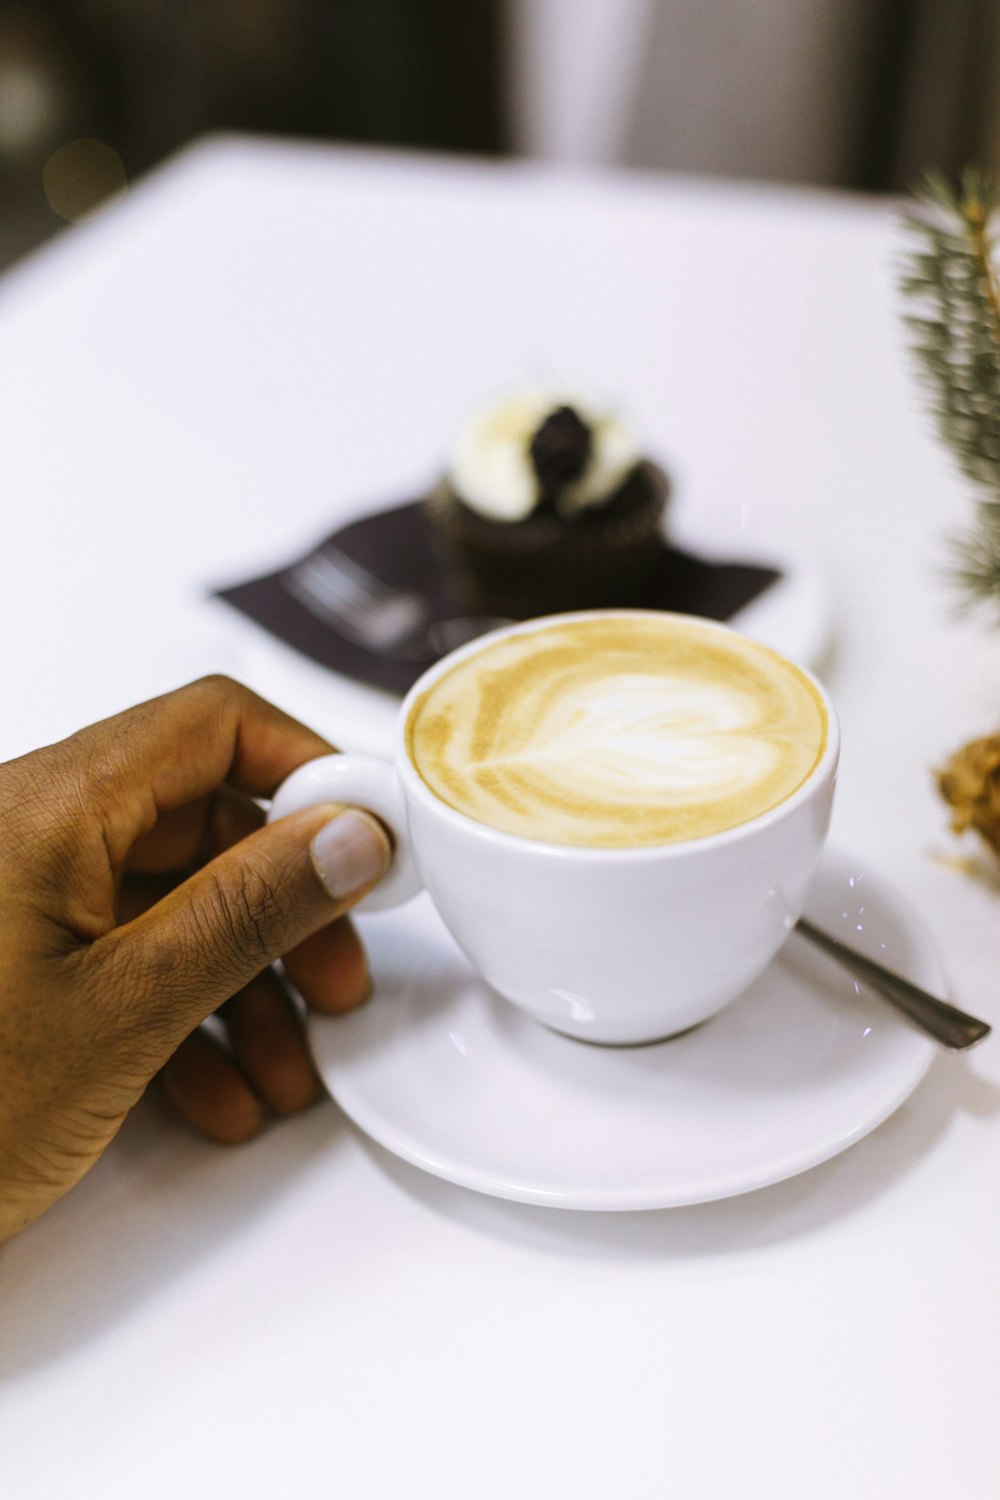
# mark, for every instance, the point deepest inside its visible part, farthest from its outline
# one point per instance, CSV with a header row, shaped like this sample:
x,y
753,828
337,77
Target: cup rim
x,y
417,787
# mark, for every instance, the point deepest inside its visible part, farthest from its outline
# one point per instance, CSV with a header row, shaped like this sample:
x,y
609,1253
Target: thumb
x,y
211,935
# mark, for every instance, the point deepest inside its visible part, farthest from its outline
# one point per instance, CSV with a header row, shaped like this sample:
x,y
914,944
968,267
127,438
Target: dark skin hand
x,y
139,893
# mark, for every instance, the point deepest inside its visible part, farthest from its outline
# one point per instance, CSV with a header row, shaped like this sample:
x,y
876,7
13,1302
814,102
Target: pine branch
x,y
949,277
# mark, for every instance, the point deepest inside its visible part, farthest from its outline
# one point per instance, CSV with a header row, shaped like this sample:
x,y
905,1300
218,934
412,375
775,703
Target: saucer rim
x,y
919,1054
626,1199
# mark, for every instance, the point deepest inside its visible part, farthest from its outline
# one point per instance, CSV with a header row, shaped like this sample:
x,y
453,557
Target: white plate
x,y
446,1074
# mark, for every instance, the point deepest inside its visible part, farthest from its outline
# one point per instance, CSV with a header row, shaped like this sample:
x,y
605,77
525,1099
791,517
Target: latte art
x,y
617,730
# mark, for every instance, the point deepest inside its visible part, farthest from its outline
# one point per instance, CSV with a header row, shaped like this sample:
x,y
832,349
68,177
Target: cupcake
x,y
549,505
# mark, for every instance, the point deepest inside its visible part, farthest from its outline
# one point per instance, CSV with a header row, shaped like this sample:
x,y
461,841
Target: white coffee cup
x,y
611,945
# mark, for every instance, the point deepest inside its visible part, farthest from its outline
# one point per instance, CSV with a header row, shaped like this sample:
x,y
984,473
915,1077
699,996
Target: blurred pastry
x,y
548,505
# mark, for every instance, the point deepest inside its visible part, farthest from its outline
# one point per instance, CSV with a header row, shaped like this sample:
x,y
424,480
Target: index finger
x,y
172,750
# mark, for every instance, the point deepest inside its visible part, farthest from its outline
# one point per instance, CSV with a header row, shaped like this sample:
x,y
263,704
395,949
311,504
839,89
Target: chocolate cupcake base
x,y
603,558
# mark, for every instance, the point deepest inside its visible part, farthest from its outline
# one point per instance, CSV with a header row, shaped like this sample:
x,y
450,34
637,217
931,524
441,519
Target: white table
x,y
262,339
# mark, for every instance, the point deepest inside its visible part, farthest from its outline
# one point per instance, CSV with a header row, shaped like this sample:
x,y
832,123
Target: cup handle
x,y
362,781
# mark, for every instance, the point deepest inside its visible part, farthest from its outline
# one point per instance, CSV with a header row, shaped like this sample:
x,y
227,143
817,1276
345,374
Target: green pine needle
x,y
948,277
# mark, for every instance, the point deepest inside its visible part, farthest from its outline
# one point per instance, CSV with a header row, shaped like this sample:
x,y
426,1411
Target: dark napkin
x,y
400,549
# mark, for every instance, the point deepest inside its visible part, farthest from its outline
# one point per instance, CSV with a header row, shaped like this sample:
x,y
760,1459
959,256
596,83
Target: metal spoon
x,y
945,1023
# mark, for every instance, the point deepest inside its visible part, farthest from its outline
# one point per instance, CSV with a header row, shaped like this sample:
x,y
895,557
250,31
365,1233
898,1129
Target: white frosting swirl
x,y
491,467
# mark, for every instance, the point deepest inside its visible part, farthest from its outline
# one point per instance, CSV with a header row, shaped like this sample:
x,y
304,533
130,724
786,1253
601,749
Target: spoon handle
x,y
945,1023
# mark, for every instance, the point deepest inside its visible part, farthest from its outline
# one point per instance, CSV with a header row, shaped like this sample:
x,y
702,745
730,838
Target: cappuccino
x,y
617,730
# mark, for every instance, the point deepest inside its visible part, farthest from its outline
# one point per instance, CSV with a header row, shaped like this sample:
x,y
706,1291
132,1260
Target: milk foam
x,y
617,730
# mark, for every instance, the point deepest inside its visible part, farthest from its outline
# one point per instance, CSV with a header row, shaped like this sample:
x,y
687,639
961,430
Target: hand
x,y
139,892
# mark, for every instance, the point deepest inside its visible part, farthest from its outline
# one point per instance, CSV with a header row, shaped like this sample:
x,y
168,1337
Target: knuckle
x,y
217,683
94,763
247,909
219,688
40,824
29,787
19,808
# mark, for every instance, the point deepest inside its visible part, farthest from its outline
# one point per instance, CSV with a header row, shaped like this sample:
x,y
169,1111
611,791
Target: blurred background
x,y
857,94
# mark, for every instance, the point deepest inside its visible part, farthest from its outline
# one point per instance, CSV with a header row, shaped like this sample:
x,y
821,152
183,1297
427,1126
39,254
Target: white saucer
x,y
449,1076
